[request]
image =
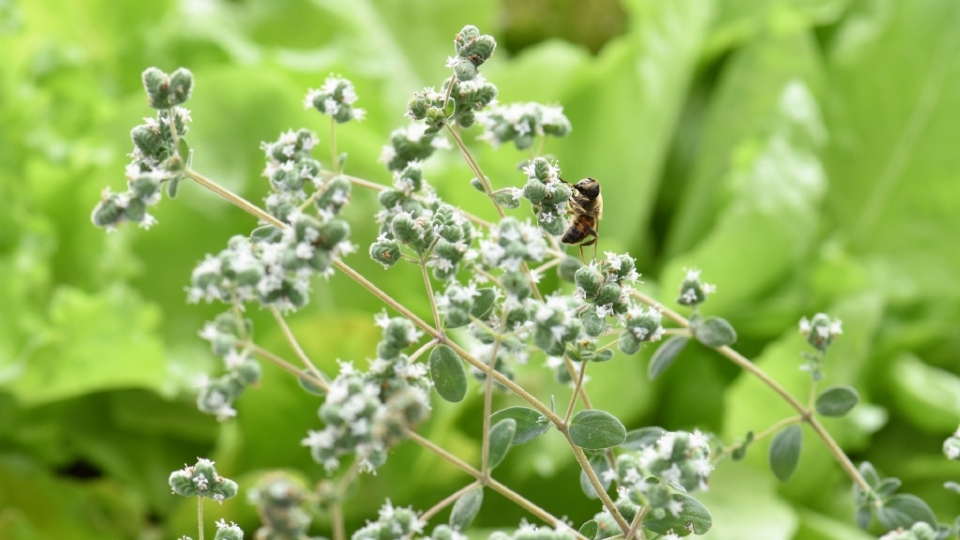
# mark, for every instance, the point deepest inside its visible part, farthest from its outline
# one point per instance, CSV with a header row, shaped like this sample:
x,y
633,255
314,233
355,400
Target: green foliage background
x,y
803,153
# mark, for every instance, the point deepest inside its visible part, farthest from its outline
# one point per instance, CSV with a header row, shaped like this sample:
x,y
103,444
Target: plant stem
x,y
595,482
334,159
435,509
488,395
283,364
576,392
515,497
754,370
429,286
200,517
235,199
635,524
336,522
475,167
292,340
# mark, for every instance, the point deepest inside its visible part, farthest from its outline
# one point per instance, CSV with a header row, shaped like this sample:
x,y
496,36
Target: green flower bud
x,y
561,194
405,229
457,317
390,197
321,261
608,294
182,483
628,343
516,284
552,222
144,185
148,141
568,268
249,372
465,70
593,325
181,84
399,333
228,532
535,191
516,317
506,199
223,344
135,211
332,233
588,279
385,252
418,106
107,213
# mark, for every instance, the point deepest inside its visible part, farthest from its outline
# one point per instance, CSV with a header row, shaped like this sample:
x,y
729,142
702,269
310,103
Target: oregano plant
x,y
490,312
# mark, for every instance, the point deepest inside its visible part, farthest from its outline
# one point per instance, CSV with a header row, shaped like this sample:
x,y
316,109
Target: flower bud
x,y
628,343
821,330
535,191
228,532
135,211
107,213
587,279
465,70
609,293
516,284
385,252
332,233
148,141
405,229
593,325
145,185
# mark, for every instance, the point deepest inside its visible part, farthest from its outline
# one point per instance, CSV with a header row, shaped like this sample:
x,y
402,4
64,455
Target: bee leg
x,y
591,242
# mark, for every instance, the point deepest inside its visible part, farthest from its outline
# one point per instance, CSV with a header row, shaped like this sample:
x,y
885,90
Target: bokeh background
x,y
803,153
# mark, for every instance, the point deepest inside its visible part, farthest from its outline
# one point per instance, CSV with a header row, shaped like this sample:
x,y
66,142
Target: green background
x,y
803,153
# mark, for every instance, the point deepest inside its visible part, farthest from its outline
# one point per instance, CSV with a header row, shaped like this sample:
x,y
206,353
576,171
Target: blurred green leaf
x,y
501,438
93,342
929,396
466,508
693,517
904,510
837,400
666,353
785,452
530,423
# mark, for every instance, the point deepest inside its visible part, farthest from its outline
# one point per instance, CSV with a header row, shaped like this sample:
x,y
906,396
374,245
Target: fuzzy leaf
x,y
501,437
785,452
466,508
530,423
715,332
665,355
837,400
590,528
448,374
903,511
692,518
596,429
638,439
483,302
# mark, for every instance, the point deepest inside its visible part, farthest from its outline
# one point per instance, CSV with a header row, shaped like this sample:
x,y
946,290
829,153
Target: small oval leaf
x,y
600,466
638,439
692,518
785,452
448,374
665,355
595,429
903,511
888,486
501,437
483,301
590,529
466,508
530,423
715,332
837,400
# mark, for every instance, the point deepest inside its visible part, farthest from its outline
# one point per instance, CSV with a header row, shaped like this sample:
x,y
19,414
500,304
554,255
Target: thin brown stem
x,y
294,344
435,509
576,392
337,522
235,199
748,366
284,365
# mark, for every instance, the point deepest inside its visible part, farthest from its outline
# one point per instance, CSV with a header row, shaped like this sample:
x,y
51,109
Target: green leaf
x,y
638,439
466,508
589,529
595,429
665,355
903,511
837,400
530,423
692,518
106,340
715,332
483,302
929,396
600,466
785,452
888,486
501,437
448,374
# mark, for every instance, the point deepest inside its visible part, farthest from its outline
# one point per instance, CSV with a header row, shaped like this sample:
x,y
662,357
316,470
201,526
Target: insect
x,y
585,207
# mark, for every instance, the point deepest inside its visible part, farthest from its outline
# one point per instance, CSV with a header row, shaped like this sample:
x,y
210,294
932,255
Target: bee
x,y
585,208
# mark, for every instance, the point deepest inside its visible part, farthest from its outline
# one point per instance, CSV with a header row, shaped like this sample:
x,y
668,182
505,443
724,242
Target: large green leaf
x,y
93,342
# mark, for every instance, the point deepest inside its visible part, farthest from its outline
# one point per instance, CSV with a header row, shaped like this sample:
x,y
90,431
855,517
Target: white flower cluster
x,y
366,413
335,98
521,122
